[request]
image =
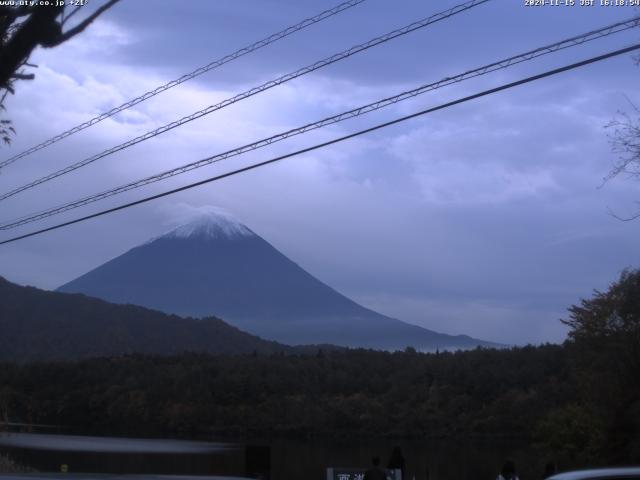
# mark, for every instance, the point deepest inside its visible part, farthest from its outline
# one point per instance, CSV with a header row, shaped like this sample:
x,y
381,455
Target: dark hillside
x,y
40,325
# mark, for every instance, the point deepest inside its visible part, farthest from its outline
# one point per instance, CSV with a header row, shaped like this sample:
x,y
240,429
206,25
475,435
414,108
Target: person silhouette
x,y
508,471
375,472
550,469
396,461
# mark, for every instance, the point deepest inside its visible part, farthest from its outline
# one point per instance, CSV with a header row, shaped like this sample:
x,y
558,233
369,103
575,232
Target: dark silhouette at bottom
x,y
396,461
550,469
375,472
508,471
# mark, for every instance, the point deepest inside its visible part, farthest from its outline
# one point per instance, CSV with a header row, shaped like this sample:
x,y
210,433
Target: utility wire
x,y
331,142
362,110
254,91
195,73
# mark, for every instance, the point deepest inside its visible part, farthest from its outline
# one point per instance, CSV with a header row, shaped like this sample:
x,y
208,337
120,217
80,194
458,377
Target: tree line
x,y
580,399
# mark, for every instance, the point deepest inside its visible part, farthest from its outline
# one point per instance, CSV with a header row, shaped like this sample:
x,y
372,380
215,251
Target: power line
x,y
362,110
254,91
331,142
184,78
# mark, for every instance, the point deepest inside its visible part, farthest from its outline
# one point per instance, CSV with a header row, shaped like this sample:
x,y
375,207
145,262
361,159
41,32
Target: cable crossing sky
x,y
503,87
184,78
362,110
254,91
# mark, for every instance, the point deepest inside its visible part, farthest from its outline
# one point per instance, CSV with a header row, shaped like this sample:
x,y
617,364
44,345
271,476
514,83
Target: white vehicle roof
x,y
599,473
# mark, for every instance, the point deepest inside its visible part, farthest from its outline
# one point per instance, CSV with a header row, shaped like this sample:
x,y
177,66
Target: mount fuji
x,y
215,265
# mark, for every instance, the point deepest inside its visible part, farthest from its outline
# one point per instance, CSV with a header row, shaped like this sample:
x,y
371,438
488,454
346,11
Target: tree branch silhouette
x,y
22,30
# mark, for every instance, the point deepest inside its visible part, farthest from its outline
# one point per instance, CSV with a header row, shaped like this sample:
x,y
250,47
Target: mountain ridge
x,y
42,325
215,265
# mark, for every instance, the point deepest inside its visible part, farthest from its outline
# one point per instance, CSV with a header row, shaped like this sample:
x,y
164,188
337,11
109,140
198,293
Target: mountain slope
x,y
216,265
38,325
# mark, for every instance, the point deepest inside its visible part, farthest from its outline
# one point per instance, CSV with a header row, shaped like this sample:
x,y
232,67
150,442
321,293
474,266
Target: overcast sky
x,y
487,218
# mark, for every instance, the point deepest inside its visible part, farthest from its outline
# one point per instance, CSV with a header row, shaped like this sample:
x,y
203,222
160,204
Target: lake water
x,y
289,459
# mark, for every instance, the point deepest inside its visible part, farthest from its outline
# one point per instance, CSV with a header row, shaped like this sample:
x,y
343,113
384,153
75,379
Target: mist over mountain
x,y
40,325
215,265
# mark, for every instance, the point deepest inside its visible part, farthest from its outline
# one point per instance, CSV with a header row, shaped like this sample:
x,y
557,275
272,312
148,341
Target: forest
x,y
579,400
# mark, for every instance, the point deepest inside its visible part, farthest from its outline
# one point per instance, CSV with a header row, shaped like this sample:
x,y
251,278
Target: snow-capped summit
x,y
213,223
215,265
